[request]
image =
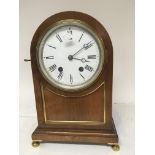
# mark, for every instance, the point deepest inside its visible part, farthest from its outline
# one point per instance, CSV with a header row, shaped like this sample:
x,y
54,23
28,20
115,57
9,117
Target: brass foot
x,y
116,147
35,143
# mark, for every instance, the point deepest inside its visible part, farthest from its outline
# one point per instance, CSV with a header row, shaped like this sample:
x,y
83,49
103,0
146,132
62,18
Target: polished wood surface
x,y
86,111
75,109
108,137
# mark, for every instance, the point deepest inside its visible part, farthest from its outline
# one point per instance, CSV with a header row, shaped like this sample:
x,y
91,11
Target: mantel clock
x,y
72,68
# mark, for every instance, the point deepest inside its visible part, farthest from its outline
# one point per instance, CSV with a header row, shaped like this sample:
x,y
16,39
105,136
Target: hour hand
x,y
83,60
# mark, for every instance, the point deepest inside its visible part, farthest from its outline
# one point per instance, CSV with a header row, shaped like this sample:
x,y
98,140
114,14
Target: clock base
x,y
106,137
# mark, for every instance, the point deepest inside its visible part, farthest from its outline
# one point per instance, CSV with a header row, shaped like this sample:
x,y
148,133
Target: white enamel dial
x,y
70,56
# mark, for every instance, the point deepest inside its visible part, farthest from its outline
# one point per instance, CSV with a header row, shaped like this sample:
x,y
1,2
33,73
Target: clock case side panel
x,y
105,76
37,84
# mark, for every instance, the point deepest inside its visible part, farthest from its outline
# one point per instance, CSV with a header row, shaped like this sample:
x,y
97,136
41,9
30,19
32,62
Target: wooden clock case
x,y
83,116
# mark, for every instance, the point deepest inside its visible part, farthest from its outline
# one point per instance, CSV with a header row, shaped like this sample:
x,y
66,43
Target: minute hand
x,y
85,46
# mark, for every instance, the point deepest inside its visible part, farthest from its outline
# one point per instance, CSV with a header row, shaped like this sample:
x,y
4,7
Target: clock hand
x,y
88,45
85,46
78,51
83,60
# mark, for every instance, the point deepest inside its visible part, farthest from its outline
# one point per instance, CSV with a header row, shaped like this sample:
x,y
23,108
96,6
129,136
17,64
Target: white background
x,y
118,19
145,76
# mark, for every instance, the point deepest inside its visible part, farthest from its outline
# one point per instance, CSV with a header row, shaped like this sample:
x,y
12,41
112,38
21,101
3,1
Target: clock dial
x,y
70,56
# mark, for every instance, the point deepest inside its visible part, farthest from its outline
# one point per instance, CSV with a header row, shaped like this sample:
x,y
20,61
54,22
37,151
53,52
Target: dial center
x,y
70,57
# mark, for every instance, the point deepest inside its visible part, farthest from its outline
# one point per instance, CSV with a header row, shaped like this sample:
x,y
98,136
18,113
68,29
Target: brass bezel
x,y
99,40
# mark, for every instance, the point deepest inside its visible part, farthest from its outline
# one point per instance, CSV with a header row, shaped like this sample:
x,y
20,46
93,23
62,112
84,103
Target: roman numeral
x,y
51,46
89,68
49,57
59,38
91,57
69,31
81,37
53,67
60,75
71,79
82,76
88,46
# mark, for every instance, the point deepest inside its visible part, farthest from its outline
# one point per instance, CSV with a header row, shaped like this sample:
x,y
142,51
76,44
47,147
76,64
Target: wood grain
x,y
91,104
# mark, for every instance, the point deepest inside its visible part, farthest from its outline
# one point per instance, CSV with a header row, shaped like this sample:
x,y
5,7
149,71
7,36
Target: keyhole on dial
x,y
60,69
81,69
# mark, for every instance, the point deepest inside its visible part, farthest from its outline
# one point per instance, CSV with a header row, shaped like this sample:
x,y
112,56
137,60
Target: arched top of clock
x,y
99,30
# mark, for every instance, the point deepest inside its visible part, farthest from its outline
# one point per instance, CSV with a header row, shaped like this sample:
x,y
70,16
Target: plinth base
x,y
105,137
